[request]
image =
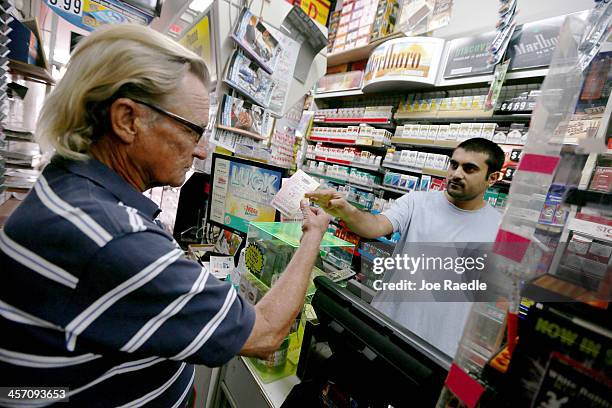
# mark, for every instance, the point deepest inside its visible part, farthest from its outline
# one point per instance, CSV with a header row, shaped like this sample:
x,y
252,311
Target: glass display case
x,y
270,246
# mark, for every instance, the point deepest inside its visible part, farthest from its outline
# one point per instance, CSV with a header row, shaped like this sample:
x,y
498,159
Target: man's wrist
x,y
313,235
348,212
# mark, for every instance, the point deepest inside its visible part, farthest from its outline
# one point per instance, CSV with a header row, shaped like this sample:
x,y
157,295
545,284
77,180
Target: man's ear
x,y
123,116
494,177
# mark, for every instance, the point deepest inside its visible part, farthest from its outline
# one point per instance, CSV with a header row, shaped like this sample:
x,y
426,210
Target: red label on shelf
x,y
539,163
357,120
332,140
334,161
467,389
511,245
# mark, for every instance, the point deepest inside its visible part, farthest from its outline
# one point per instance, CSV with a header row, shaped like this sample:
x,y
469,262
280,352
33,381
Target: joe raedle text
x,y
422,285
430,265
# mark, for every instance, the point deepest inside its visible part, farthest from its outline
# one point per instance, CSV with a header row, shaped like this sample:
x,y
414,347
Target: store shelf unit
x,y
339,94
431,172
342,142
394,190
31,72
347,163
344,182
384,123
519,117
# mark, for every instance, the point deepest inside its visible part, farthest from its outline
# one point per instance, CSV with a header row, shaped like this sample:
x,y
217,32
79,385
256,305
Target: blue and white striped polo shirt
x,y
96,297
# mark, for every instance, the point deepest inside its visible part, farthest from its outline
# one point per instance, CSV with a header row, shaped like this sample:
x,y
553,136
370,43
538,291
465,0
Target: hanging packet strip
x,y
288,199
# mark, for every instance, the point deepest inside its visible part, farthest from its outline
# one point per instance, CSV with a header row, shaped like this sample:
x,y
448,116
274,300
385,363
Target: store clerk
x,y
94,295
459,214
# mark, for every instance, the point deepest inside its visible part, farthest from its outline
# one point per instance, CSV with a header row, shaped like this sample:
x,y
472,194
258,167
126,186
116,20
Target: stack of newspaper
x,y
20,158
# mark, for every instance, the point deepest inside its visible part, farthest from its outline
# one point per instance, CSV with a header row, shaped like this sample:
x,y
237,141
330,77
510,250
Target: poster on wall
x,y
404,60
199,40
422,16
256,40
239,116
250,80
91,14
242,192
468,56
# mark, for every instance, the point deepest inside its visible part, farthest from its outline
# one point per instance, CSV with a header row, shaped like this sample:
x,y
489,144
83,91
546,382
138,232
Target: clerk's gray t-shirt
x,y
428,217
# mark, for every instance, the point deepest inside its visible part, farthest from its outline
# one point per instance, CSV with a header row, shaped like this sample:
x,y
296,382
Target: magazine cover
x,y
250,80
241,117
256,40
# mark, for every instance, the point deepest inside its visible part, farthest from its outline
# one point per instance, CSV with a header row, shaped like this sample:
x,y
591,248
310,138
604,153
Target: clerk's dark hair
x,y
495,155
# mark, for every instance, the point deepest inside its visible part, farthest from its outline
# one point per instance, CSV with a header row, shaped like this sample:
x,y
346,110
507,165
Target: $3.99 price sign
x,y
69,6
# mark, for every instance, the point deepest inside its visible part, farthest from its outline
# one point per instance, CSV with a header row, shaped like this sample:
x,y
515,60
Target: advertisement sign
x,y
409,59
318,10
343,81
90,14
533,44
242,192
198,40
468,56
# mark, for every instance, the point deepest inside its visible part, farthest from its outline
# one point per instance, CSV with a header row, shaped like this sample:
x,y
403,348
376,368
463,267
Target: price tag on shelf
x,y
509,173
74,7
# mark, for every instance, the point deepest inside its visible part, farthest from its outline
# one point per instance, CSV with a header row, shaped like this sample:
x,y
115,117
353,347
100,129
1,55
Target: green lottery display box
x,y
270,246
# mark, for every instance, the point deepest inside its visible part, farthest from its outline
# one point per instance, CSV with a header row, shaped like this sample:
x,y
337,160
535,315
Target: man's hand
x,y
331,201
315,220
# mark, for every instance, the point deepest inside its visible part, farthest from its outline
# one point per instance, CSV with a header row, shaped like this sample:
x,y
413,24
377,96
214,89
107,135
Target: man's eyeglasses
x,y
197,129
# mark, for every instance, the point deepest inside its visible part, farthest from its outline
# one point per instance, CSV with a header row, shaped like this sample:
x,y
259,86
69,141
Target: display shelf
x,y
358,53
339,94
241,132
362,186
431,172
347,163
394,190
340,142
380,122
31,72
344,182
584,197
333,140
408,141
486,79
447,145
326,177
467,119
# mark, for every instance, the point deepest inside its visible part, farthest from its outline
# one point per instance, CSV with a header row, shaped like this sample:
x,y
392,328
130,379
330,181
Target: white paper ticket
x,y
287,200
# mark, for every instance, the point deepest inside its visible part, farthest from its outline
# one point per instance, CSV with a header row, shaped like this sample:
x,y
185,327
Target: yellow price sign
x,y
254,259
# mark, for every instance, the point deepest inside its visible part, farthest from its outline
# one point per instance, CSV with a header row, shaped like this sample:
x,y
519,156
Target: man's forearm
x,y
366,224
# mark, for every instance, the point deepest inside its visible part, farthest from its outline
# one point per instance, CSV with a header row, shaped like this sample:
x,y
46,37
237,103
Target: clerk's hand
x,y
331,201
315,220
